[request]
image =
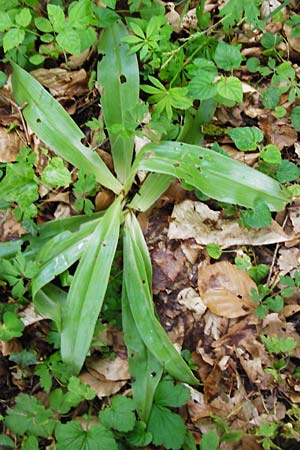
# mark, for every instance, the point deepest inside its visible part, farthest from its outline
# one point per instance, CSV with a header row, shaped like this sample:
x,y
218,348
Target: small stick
x,y
19,109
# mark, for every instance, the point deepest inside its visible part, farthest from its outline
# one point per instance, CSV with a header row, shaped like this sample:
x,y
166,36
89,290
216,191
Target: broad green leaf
x,y
13,38
144,367
166,427
51,123
138,287
213,174
118,75
169,395
271,154
71,436
49,302
23,18
30,416
60,252
56,16
152,188
210,441
295,117
246,138
56,173
227,56
231,89
88,288
120,416
259,217
69,41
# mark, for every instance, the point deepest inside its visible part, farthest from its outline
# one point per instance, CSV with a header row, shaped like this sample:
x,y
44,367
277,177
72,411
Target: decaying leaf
x,y
62,82
225,290
196,220
10,144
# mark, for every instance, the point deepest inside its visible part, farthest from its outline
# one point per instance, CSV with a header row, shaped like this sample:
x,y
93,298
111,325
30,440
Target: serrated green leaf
x,y
56,173
71,436
49,120
231,89
167,394
56,17
23,18
11,327
166,427
227,56
13,38
30,416
69,41
88,288
120,415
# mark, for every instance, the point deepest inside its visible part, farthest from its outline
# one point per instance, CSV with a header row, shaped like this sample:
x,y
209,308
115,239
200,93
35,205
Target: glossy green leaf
x,y
152,188
145,370
138,287
51,123
88,288
118,75
215,175
49,302
60,252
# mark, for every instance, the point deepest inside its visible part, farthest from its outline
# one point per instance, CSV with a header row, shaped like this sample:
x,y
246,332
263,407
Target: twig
x,y
19,109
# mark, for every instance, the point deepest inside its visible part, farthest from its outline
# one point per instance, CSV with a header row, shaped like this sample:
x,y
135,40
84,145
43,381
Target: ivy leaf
x,y
120,415
56,174
246,138
30,416
227,57
167,394
71,436
166,427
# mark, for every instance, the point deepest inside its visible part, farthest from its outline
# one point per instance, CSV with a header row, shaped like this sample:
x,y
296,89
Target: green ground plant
x,y
67,266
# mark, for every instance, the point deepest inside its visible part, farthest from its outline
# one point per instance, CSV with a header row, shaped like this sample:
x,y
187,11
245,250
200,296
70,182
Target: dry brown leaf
x,y
103,199
29,316
294,42
111,369
191,219
294,215
278,132
61,82
10,144
288,260
102,388
190,299
225,290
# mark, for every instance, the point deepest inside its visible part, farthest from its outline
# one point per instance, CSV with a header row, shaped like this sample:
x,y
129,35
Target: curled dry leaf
x,y
190,299
225,290
196,220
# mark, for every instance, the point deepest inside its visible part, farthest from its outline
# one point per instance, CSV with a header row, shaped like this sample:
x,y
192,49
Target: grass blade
x,y
49,302
118,75
88,288
138,287
216,175
51,123
145,370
